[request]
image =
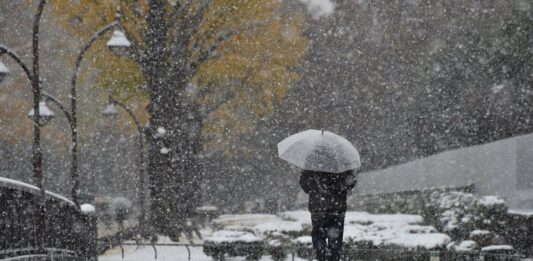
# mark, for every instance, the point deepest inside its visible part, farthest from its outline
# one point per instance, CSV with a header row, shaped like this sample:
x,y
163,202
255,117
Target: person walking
x,y
328,162
327,204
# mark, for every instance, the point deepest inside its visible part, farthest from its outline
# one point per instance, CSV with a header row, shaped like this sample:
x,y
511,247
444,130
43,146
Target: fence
x,y
47,257
255,250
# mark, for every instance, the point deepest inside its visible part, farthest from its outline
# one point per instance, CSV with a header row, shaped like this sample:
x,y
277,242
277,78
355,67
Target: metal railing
x,y
255,250
43,257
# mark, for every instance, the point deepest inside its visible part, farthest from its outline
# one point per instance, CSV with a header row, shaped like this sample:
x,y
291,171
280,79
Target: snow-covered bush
x,y
451,213
276,235
234,243
456,212
519,230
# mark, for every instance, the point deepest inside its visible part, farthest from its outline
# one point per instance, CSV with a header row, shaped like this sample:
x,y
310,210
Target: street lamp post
x,y
33,77
112,113
72,116
73,96
39,107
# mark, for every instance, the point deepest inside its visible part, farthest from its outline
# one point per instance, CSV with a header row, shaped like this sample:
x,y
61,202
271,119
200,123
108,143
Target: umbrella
x,y
322,151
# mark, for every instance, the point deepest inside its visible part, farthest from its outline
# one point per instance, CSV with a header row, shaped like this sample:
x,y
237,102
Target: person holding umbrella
x,y
328,164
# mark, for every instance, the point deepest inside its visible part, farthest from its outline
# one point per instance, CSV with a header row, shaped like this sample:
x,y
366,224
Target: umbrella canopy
x,y
322,151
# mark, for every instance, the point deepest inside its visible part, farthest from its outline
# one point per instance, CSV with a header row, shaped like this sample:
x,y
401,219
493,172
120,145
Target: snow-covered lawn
x,y
164,253
382,230
396,230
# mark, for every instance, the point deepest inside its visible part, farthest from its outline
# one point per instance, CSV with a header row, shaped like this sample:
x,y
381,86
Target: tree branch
x,y
210,52
5,50
135,52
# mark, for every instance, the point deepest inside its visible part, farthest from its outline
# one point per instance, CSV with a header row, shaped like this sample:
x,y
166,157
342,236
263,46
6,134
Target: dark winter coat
x,y
327,191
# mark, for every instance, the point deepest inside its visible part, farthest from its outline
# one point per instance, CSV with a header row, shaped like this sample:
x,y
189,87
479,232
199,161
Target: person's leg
x,y
335,235
319,235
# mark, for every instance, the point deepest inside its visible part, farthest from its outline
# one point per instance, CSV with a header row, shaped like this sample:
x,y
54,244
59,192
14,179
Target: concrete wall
x,y
503,168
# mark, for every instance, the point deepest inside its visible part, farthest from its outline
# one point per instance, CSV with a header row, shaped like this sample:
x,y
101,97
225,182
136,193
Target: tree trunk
x,y
161,110
174,134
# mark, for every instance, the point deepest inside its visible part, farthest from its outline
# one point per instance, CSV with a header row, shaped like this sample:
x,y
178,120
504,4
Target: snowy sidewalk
x,y
165,253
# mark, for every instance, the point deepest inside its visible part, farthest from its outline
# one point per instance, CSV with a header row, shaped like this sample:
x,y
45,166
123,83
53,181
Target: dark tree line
x,y
402,80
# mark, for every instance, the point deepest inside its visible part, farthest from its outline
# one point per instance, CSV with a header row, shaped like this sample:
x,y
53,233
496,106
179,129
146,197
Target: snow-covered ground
x,y
164,253
396,230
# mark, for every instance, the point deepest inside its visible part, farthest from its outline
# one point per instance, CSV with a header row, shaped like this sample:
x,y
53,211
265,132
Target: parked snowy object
x,y
4,71
87,209
118,43
319,151
45,114
228,236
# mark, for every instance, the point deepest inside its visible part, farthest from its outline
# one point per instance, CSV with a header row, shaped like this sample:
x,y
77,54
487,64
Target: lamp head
x,y
110,111
45,114
4,71
118,43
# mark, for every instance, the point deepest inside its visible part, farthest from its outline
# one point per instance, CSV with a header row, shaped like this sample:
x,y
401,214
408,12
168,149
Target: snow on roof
x,y
15,184
228,236
521,212
497,247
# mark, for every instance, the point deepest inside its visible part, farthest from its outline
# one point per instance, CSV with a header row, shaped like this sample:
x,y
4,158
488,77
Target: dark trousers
x,y
327,235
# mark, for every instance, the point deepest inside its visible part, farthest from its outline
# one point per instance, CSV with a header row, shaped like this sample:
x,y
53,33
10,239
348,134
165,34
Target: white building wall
x,y
493,168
